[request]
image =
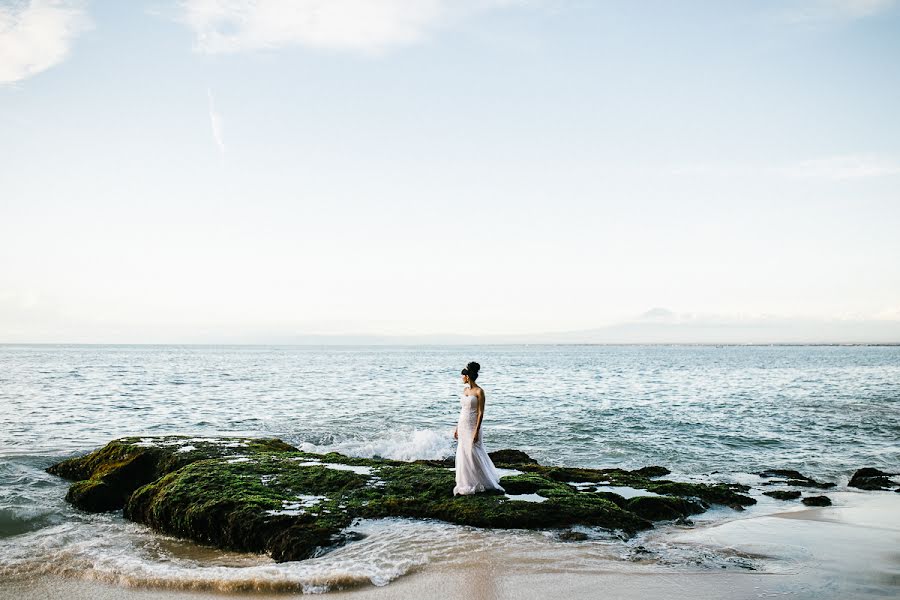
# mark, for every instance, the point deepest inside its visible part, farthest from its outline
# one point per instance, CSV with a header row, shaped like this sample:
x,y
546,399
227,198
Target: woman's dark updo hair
x,y
472,370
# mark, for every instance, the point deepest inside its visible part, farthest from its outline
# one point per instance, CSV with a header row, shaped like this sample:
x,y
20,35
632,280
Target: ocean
x,y
709,413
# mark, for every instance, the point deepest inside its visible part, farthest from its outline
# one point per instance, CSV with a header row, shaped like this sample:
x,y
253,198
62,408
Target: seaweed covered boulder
x,y
793,478
816,501
783,494
263,495
869,478
106,478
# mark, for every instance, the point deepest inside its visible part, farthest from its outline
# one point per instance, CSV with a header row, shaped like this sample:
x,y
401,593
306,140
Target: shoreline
x,y
844,551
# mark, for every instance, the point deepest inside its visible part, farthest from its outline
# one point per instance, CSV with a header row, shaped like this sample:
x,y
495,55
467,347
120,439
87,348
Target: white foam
x,y
526,497
297,506
359,469
625,491
107,549
187,448
507,472
417,444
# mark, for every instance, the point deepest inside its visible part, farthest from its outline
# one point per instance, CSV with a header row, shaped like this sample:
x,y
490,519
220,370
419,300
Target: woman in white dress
x,y
474,470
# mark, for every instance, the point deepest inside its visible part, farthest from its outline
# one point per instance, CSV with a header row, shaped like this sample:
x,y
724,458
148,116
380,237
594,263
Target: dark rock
x,y
570,535
106,478
794,478
265,496
869,478
663,508
783,494
727,494
616,499
714,494
510,458
653,471
817,501
784,473
262,495
523,484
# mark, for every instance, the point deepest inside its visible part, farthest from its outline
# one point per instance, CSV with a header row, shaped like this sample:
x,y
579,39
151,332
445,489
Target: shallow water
x,y
719,412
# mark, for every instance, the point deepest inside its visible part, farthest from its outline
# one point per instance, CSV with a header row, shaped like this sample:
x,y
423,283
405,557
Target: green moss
x,y
266,496
527,483
715,494
783,494
663,508
816,501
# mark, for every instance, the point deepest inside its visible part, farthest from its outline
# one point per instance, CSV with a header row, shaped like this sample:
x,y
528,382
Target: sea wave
x,y
400,445
113,551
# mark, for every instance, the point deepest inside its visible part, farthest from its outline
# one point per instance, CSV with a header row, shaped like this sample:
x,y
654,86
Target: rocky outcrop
x,y
783,494
873,479
817,501
262,495
794,478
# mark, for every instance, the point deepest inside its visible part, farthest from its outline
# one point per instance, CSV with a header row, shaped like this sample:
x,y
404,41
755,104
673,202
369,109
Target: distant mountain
x,y
656,326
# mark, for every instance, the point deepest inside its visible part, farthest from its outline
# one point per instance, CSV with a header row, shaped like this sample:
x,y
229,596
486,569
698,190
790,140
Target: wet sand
x,y
851,550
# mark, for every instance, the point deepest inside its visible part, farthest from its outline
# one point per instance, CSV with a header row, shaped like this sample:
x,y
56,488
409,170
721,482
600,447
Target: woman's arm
x,y
480,416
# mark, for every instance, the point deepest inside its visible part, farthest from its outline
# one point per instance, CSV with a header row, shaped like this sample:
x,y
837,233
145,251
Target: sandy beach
x,y
849,550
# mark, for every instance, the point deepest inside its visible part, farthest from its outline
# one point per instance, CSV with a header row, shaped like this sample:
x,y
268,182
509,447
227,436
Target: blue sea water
x,y
702,411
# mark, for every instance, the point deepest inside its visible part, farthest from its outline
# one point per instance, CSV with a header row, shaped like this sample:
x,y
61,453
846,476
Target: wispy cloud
x,y
36,35
215,122
356,25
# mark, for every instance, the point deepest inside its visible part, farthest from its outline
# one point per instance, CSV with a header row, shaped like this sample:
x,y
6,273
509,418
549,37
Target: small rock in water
x,y
783,494
817,501
570,535
652,471
511,457
872,479
794,478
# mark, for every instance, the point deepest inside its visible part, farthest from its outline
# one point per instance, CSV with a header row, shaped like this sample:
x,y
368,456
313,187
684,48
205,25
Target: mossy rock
x,y
794,478
122,466
510,458
713,494
527,483
262,495
783,494
817,501
663,508
652,471
869,478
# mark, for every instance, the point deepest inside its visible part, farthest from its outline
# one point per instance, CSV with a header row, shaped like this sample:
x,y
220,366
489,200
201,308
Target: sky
x,y
237,170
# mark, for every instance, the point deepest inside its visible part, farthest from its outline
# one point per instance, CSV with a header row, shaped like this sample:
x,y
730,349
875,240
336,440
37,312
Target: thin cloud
x,y
36,35
365,26
215,122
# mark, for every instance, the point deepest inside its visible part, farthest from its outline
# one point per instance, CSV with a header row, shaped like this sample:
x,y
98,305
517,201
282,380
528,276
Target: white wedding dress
x,y
474,470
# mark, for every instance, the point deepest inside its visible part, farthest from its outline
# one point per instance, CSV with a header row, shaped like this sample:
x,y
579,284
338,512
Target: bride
x,y
474,470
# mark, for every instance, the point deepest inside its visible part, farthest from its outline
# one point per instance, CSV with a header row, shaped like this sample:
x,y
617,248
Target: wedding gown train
x,y
475,472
